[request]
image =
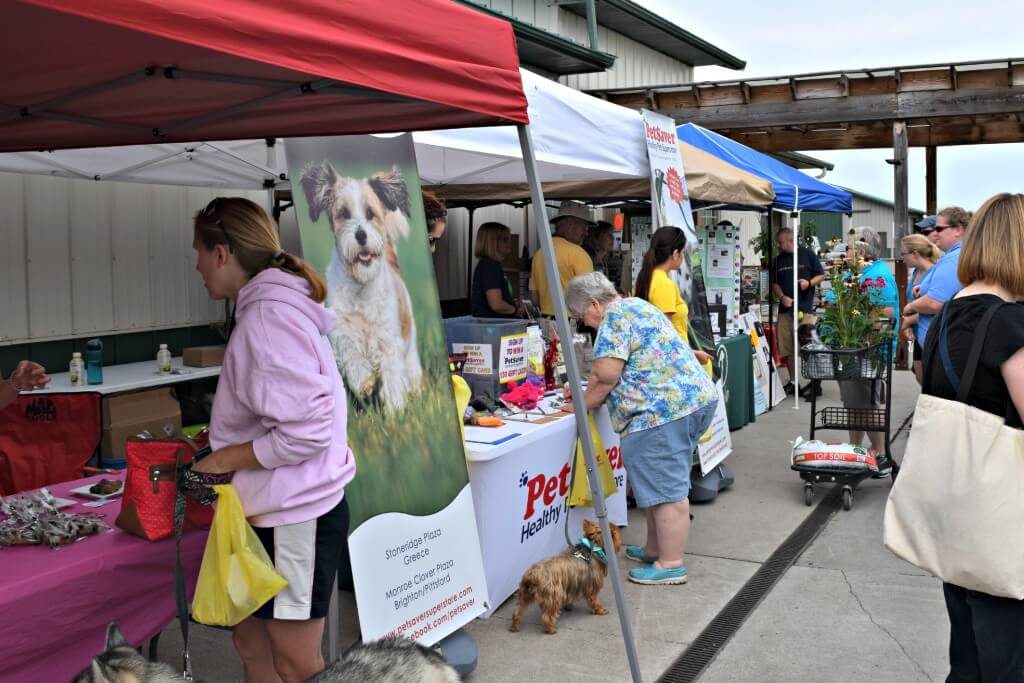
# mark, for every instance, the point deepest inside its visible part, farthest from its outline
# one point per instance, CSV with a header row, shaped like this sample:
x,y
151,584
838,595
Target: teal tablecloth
x,y
736,367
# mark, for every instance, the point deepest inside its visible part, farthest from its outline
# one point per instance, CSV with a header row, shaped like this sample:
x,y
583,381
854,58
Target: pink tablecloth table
x,y
56,604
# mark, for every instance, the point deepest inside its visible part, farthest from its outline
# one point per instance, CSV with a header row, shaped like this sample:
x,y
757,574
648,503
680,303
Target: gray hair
x,y
867,242
585,288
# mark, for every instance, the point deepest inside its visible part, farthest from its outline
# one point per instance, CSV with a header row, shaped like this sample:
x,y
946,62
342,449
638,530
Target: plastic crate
x,y
486,333
843,364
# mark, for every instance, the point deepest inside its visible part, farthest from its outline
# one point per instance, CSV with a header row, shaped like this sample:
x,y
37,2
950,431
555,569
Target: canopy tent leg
x,y
582,425
795,360
773,338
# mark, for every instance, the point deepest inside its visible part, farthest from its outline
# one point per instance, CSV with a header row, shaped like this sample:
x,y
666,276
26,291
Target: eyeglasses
x,y
940,228
212,210
926,231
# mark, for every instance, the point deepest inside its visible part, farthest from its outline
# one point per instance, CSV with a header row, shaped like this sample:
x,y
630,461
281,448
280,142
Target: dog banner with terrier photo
x,y
416,561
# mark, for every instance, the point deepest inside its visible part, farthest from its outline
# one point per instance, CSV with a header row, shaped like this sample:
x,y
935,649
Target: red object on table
x,y
65,598
46,439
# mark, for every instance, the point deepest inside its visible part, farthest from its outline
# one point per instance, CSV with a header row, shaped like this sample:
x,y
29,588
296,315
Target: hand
x,y
787,301
908,311
568,407
211,464
916,291
702,357
29,375
908,333
804,284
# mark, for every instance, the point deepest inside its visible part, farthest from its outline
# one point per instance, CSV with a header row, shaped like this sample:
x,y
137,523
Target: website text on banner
x,y
416,560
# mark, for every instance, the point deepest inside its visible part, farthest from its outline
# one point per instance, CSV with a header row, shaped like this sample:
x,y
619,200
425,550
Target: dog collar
x,y
585,550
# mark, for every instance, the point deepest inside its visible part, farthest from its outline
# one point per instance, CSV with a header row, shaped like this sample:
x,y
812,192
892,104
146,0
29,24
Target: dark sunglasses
x,y
212,211
940,228
926,231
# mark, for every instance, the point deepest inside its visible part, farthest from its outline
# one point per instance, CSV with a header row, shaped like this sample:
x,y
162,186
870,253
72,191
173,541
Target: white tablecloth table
x,y
519,493
118,379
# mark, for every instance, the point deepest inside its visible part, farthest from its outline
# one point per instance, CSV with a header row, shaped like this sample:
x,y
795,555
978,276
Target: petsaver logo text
x,y
546,492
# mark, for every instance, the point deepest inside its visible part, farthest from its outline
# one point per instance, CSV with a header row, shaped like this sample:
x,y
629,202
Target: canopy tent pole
x,y
547,247
774,338
795,360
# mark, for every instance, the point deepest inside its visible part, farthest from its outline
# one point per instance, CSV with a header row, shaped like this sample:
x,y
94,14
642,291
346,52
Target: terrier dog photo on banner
x,y
413,539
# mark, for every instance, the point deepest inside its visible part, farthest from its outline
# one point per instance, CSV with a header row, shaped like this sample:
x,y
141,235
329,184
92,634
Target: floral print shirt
x,y
662,380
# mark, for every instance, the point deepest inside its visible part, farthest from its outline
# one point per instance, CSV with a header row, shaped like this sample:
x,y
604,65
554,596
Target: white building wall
x,y
876,215
635,65
83,258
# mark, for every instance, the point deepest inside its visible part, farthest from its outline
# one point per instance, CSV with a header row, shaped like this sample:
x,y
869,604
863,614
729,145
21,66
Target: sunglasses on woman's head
x,y
212,210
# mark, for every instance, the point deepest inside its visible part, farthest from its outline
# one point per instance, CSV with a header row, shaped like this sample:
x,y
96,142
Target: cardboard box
x,y
202,356
126,415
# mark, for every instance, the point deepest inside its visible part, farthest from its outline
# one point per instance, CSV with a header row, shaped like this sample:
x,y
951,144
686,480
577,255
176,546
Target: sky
x,y
789,37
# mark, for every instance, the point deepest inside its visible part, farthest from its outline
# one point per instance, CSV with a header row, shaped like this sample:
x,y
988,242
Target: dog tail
x,y
526,594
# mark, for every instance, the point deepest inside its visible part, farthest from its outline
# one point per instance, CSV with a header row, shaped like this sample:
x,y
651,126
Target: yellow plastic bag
x,y
462,396
236,576
579,495
711,373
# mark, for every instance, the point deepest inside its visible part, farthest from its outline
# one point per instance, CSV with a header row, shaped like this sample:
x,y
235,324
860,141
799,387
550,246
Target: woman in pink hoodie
x,y
279,423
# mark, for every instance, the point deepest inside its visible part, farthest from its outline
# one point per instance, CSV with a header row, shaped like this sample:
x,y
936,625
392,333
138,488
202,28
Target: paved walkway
x,y
847,611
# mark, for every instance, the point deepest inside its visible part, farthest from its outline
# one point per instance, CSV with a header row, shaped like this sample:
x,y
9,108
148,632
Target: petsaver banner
x,y
416,560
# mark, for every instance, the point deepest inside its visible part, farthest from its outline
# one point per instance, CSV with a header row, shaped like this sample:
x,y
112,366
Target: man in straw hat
x,y
571,225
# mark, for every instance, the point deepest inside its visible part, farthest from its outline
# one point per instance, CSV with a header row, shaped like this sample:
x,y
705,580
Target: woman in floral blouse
x,y
661,401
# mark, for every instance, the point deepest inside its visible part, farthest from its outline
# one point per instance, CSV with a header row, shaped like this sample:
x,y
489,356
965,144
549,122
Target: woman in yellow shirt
x,y
653,283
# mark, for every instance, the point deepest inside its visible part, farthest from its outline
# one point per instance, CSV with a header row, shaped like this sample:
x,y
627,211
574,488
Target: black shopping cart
x,y
870,364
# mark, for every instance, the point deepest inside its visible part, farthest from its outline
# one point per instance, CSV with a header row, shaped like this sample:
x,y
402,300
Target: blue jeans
x,y
986,637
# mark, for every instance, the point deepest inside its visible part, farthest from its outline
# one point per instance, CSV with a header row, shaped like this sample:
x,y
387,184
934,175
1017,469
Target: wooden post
x,y
901,220
930,180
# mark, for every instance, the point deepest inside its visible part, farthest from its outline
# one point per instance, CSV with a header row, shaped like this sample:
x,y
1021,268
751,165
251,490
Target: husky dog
x,y
393,660
375,339
122,663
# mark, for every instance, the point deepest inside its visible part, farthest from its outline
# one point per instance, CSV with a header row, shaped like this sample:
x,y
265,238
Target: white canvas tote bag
x,y
956,509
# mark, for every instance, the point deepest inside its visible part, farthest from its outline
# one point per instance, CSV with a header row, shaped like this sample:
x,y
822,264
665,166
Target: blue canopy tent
x,y
794,192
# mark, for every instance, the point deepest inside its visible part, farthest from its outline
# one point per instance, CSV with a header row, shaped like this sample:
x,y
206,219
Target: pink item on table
x,y
57,603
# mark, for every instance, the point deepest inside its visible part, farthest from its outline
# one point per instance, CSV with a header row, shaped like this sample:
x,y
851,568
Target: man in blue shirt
x,y
941,283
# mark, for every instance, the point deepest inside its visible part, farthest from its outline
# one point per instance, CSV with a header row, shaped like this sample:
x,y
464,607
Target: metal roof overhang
x,y
545,51
647,28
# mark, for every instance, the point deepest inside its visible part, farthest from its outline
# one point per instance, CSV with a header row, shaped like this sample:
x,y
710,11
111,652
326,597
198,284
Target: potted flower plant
x,y
852,326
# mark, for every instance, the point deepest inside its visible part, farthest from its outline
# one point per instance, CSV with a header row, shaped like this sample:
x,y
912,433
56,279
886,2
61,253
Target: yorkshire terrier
x,y
556,582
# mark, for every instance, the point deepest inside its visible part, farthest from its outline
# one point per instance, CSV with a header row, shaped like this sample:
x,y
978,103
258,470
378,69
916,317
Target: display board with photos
x,y
721,261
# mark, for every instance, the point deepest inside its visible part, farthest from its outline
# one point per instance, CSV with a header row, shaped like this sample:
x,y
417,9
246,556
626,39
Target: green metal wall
x,y
119,348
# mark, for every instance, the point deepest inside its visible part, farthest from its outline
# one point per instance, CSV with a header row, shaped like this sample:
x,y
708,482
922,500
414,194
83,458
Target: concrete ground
x,y
847,611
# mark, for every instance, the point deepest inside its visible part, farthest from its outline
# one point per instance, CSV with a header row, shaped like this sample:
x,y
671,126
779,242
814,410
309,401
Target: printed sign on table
x,y
512,361
765,372
479,360
416,560
719,446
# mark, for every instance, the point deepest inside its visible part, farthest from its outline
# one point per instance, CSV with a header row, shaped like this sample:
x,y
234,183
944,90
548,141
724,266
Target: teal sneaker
x,y
636,553
651,575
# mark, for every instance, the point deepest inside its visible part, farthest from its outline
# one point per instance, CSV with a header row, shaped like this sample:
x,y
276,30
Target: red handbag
x,y
151,487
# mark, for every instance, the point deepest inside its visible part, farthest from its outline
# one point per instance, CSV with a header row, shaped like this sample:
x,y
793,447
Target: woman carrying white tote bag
x,y
957,507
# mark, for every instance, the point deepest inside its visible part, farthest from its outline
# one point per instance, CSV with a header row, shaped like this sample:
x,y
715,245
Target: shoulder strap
x,y
975,356
947,363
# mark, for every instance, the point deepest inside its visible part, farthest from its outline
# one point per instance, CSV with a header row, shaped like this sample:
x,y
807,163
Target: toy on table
x,y
524,396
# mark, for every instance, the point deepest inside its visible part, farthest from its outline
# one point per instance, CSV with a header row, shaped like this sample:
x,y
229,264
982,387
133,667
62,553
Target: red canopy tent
x,y
100,73
91,73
